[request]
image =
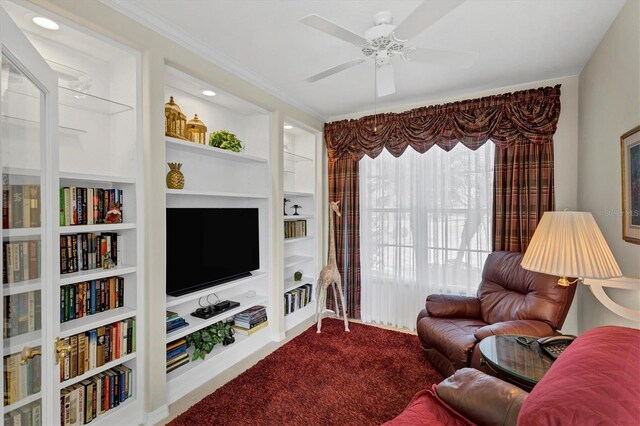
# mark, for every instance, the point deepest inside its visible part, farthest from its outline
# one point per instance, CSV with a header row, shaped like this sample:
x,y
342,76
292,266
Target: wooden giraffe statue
x,y
329,276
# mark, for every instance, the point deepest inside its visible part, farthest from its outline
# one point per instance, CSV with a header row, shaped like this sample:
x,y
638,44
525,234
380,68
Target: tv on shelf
x,y
210,246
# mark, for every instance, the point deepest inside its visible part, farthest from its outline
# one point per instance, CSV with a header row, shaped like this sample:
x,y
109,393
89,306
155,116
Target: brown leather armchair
x,y
510,300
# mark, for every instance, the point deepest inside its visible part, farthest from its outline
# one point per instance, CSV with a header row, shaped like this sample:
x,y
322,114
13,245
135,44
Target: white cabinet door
x,y
28,106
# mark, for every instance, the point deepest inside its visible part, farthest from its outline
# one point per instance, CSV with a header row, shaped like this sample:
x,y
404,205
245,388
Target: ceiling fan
x,y
384,41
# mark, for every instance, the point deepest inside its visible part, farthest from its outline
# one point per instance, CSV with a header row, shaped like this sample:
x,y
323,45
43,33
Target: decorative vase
x,y
175,178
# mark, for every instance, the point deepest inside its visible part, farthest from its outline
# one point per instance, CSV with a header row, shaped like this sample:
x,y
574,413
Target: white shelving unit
x,y
300,250
94,142
217,178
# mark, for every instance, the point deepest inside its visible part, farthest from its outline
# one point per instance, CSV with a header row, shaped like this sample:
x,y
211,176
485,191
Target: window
x,y
425,227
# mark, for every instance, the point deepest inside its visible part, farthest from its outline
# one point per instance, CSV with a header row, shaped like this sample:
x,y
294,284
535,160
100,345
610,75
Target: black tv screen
x,y
207,247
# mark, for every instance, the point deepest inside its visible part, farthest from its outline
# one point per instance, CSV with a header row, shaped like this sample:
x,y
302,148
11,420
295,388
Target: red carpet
x,y
364,377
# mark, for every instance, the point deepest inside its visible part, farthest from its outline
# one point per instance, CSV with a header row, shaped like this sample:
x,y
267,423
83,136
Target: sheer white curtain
x,y
425,227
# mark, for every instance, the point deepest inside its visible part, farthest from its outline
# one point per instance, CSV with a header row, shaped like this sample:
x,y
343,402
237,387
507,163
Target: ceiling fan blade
x,y
334,70
425,15
320,23
448,58
385,80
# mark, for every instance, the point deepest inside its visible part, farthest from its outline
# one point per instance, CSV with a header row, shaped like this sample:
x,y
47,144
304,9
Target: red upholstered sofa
x,y
596,381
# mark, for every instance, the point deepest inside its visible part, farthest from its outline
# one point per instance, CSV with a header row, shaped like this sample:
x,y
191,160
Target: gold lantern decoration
x,y
175,122
197,131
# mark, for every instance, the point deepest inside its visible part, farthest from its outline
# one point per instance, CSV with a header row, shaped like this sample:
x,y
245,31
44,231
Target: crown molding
x,y
151,20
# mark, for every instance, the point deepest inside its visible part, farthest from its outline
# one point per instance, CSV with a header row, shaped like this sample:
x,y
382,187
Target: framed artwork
x,y
630,151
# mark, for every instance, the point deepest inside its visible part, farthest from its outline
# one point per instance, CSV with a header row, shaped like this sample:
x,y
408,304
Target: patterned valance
x,y
529,115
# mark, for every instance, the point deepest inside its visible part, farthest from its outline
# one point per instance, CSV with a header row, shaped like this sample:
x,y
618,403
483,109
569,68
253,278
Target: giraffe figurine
x,y
330,276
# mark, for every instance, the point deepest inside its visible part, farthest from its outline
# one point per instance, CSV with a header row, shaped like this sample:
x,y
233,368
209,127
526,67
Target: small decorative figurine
x,y
296,206
297,276
113,215
175,178
286,200
107,261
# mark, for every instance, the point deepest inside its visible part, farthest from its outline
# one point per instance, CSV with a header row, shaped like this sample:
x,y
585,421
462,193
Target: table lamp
x,y
570,244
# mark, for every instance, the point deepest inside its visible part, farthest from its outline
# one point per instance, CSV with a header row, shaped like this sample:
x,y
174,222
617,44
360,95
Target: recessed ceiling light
x,y
208,93
288,126
45,23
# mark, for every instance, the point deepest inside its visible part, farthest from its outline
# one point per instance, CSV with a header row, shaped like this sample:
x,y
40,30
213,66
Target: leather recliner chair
x,y
510,300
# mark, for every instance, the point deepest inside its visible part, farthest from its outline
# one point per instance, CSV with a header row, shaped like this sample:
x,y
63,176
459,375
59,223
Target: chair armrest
x,y
521,327
451,306
481,398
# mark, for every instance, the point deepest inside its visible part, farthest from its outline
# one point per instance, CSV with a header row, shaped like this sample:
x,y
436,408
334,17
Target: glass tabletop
x,y
524,361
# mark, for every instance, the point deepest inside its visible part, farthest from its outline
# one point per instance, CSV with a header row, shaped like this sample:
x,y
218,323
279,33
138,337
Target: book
x,y
250,331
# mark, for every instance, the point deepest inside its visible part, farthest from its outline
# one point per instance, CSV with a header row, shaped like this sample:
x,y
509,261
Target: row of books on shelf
x,y
297,298
295,229
177,354
22,314
21,380
87,251
20,206
21,261
91,297
83,402
175,321
250,320
28,415
88,206
97,347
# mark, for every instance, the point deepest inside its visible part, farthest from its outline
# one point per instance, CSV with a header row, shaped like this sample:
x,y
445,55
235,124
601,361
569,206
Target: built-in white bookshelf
x,y
89,136
216,178
300,248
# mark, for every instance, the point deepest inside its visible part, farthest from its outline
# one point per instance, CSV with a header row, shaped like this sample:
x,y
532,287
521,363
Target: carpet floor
x,y
364,377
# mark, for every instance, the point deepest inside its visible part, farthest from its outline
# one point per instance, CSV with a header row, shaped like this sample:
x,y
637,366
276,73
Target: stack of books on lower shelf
x,y
174,322
177,354
251,320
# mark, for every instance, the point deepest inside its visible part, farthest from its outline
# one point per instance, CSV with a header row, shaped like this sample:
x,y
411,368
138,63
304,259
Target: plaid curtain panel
x,y
344,187
523,190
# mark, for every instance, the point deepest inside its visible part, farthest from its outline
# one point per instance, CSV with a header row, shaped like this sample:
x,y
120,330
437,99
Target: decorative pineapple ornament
x,y
175,178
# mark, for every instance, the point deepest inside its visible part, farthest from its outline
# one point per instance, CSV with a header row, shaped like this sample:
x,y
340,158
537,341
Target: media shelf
x,y
299,217
20,232
195,373
16,343
297,239
298,194
196,324
103,227
96,179
21,287
24,401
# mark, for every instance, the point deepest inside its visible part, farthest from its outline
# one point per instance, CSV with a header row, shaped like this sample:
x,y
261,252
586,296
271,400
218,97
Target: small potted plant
x,y
204,340
297,276
225,140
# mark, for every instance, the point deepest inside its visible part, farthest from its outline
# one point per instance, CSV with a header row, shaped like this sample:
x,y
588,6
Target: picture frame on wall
x,y
630,156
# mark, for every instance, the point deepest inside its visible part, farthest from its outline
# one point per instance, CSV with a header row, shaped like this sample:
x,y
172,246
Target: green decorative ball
x,y
297,276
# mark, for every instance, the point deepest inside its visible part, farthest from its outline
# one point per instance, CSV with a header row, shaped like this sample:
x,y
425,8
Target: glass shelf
x,y
296,157
85,101
23,122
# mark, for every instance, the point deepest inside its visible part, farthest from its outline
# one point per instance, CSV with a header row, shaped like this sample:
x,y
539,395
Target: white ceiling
x,y
518,41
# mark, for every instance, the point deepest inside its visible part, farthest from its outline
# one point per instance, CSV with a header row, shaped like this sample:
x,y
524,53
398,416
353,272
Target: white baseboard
x,y
156,415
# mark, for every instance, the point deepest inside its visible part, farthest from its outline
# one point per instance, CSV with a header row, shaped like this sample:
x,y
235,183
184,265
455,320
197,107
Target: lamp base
x,y
564,282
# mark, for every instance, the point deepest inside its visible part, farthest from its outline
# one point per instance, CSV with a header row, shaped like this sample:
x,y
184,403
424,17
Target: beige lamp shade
x,y
570,244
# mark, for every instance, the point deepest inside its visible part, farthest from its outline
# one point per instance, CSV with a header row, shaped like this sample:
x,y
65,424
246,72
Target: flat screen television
x,y
210,246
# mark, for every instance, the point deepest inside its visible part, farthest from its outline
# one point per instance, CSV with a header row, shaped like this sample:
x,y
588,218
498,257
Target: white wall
x,y
565,143
609,106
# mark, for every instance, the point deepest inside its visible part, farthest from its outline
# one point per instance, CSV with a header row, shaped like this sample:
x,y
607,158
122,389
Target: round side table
x,y
515,359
